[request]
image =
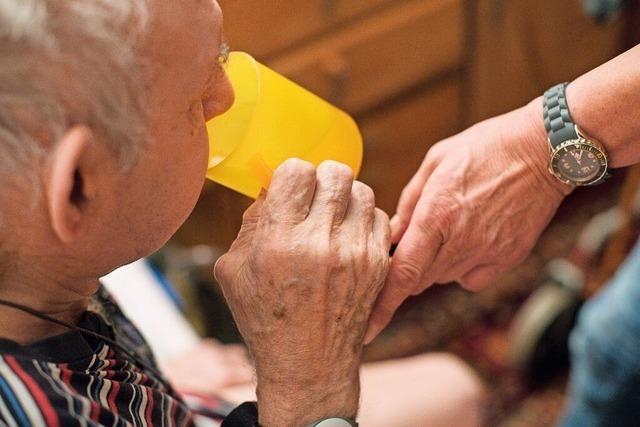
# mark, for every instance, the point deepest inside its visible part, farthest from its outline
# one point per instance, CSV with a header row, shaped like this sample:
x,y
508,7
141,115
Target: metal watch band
x,y
557,118
335,422
247,415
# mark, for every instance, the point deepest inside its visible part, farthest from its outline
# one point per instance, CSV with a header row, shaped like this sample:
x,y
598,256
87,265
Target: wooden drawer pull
x,y
338,72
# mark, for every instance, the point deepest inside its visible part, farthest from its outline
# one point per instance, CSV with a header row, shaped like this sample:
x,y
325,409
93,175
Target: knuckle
x,y
336,169
435,225
441,214
250,215
363,193
436,151
221,269
295,166
408,276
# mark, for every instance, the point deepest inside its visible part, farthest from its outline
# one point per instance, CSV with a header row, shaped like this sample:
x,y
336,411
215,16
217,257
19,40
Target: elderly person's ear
x,y
72,181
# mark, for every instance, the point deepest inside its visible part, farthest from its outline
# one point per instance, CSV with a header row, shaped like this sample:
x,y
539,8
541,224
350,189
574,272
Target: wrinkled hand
x,y
301,280
210,368
474,209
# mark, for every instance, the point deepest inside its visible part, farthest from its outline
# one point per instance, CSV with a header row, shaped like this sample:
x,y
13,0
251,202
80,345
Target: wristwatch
x,y
335,422
246,415
575,158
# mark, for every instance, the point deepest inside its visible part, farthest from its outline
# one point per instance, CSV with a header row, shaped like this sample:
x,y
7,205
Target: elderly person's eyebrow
x,y
223,53
221,58
223,46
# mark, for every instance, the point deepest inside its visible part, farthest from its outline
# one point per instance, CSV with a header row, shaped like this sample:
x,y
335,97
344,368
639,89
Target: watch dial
x,y
579,165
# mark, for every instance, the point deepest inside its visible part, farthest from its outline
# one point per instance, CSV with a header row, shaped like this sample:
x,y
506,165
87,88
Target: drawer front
x,y
264,27
398,138
363,65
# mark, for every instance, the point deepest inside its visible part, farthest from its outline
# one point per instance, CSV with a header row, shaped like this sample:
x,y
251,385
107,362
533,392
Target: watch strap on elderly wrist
x,y
557,118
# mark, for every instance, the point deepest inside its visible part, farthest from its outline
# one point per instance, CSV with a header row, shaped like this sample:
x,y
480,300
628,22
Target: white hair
x,y
69,62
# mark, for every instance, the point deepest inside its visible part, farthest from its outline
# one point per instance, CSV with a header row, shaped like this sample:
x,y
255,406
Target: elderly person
x,y
103,105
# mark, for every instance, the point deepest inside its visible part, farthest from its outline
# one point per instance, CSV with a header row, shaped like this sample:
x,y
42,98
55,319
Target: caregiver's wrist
x,y
601,120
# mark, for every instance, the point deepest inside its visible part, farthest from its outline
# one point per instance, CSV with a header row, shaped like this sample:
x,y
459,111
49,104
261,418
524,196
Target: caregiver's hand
x,y
301,280
475,208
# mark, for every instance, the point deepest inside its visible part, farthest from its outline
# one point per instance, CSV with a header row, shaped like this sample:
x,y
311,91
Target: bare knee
x,y
431,390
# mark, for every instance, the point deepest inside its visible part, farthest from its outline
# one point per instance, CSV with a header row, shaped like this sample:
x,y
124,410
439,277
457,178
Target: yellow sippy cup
x,y
272,120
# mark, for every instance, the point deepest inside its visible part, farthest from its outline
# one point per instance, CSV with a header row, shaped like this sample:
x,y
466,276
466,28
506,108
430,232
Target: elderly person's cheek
x,y
188,143
195,116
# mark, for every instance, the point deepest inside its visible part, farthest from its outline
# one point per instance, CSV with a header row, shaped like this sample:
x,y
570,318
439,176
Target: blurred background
x,y
413,72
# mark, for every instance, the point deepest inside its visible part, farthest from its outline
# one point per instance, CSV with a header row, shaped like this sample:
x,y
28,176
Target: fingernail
x,y
367,340
369,336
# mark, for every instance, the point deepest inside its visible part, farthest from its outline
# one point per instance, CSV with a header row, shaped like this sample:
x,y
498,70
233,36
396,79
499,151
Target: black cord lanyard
x,y
133,355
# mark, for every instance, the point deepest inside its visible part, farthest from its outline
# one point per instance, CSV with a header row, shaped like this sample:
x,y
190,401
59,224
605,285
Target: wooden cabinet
x,y
361,66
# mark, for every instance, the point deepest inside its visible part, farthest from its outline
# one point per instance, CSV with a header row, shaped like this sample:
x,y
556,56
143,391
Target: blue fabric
x,y
165,285
605,355
604,10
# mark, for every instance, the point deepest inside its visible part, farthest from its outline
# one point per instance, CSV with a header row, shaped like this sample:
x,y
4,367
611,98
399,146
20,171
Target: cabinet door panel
x,y
398,138
264,27
368,63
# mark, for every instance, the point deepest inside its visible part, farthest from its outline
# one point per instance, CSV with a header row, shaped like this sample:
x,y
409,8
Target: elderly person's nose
x,y
218,98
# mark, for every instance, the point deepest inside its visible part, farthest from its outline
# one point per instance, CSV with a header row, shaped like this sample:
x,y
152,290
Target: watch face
x,y
579,162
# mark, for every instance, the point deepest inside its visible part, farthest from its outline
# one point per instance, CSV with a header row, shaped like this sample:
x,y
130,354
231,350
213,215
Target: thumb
x,y
409,274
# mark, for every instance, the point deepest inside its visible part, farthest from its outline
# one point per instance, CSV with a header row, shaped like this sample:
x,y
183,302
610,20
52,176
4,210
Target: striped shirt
x,y
78,380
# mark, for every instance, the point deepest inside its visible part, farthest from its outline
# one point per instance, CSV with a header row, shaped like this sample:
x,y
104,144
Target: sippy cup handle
x,y
261,171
